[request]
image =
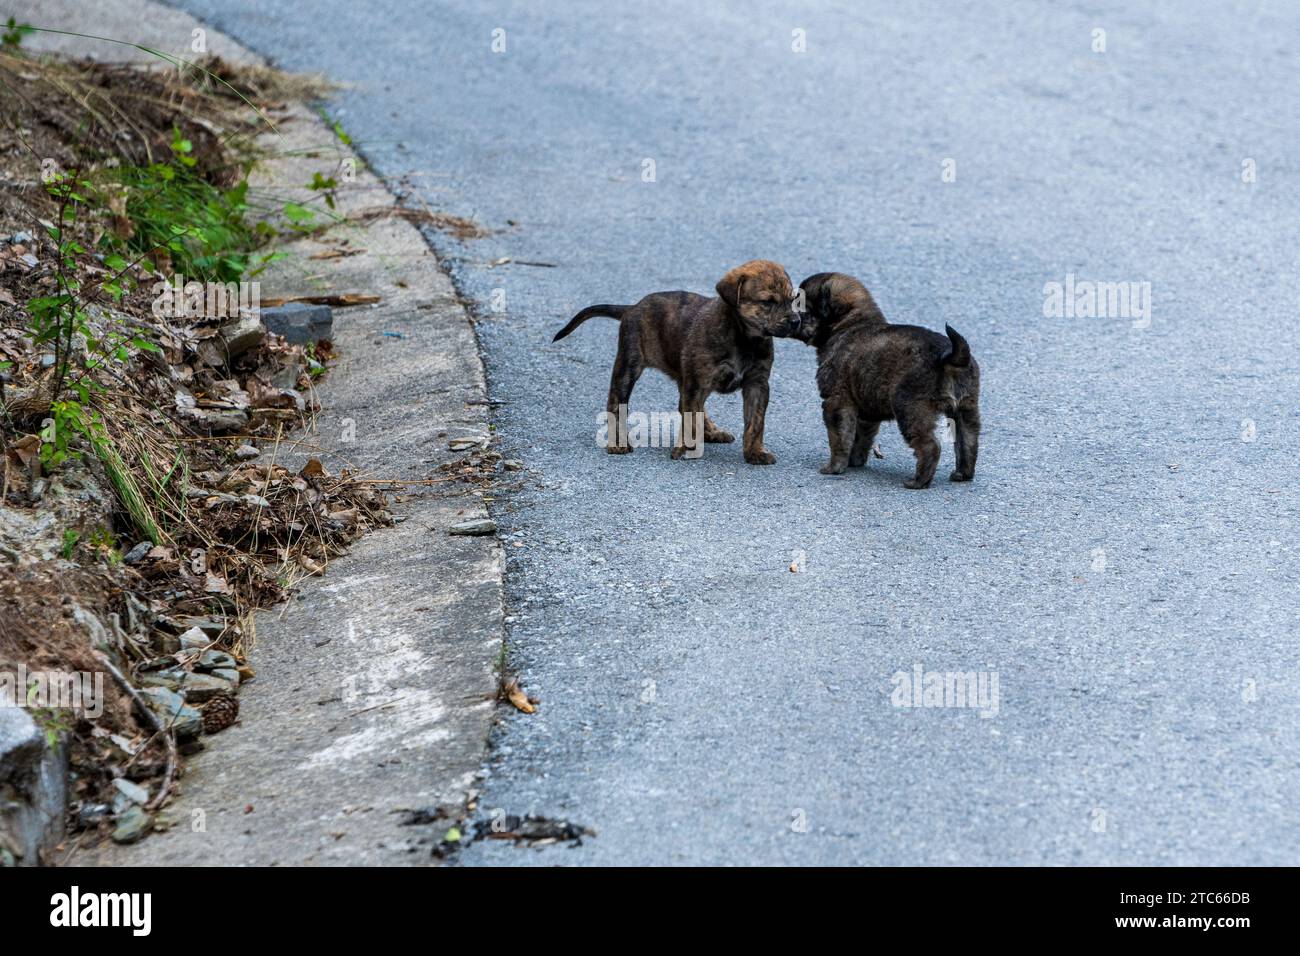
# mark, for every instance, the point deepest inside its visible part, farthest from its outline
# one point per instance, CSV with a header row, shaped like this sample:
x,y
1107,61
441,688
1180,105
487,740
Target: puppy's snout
x,y
790,326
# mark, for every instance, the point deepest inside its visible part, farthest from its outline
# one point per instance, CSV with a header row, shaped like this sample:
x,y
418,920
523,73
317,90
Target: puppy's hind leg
x,y
841,424
627,369
715,435
917,427
863,442
967,443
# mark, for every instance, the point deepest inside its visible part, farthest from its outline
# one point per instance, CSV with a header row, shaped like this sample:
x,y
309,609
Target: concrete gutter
x,y
376,684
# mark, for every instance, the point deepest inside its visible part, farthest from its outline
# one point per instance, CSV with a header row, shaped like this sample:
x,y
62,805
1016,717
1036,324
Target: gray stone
x,y
132,825
92,814
232,340
479,526
229,675
33,787
287,377
213,659
512,464
299,322
21,238
213,627
137,553
21,743
132,791
201,687
195,639
465,444
186,721
171,678
246,452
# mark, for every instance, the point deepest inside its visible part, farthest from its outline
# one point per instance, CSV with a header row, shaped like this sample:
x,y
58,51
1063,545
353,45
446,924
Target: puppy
x,y
704,345
870,371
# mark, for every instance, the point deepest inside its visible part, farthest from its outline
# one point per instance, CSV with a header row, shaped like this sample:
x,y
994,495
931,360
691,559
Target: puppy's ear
x,y
729,287
825,302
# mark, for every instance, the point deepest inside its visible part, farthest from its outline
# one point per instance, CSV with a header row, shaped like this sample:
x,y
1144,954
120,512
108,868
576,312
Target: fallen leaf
x,y
313,469
512,692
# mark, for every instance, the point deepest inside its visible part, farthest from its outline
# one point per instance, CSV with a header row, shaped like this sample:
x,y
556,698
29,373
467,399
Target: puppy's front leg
x,y
755,399
841,426
690,433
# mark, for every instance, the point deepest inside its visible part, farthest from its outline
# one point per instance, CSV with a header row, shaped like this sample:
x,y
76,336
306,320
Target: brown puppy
x,y
704,345
870,371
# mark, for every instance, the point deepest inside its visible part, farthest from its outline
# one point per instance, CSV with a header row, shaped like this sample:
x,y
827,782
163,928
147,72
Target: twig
x,y
155,722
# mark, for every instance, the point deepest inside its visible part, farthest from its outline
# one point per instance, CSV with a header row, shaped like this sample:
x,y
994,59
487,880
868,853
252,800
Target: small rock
x,y
479,526
464,444
170,679
214,659
132,825
92,815
137,553
229,675
210,626
201,687
132,791
195,639
299,322
246,452
287,377
29,260
185,720
512,464
234,339
21,238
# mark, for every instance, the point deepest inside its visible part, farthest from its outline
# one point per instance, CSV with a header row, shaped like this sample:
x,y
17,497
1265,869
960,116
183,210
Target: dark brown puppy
x,y
704,345
870,371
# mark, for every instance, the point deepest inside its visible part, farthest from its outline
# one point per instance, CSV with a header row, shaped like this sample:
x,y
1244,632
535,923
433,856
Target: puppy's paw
x,y
719,437
915,485
833,469
760,458
960,476
619,449
680,451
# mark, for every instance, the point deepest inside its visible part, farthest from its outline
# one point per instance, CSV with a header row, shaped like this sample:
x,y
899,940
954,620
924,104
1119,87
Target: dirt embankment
x,y
143,402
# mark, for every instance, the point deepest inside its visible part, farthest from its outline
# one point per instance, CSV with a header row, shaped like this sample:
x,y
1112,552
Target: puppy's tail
x,y
959,354
590,312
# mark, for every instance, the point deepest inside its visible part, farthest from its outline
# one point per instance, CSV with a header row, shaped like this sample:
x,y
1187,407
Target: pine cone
x,y
220,712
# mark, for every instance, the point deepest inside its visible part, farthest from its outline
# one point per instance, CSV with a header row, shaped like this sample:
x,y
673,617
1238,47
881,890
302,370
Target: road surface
x,y
1125,563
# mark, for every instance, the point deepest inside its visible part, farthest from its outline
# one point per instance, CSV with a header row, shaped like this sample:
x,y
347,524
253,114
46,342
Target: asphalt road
x,y
1125,561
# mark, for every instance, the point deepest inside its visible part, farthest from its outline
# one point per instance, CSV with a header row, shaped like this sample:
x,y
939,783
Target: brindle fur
x,y
870,371
704,345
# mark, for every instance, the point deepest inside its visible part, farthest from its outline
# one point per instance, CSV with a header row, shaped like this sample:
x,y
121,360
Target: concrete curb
x,y
376,684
